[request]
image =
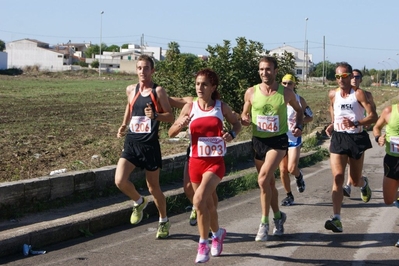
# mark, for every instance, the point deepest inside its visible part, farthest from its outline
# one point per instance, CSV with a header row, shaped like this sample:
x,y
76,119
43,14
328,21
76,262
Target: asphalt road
x,y
370,232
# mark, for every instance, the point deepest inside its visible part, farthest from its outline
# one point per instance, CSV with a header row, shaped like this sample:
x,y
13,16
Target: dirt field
x,y
50,122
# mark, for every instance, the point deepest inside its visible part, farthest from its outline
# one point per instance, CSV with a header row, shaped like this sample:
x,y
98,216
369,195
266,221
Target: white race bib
x,y
140,124
211,147
339,126
394,147
268,123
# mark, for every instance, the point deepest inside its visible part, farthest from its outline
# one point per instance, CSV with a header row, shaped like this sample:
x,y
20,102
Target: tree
x,y
95,49
329,70
176,73
173,51
92,50
237,68
2,45
112,48
95,64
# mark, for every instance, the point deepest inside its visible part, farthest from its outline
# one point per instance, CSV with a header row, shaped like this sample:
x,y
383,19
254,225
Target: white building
x,y
3,60
125,60
28,52
302,66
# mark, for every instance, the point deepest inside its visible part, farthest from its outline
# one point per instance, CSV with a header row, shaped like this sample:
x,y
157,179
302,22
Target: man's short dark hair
x,y
269,59
345,65
147,58
358,71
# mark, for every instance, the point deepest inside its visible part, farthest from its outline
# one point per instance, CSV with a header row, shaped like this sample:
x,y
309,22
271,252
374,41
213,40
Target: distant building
x,y
3,60
61,57
29,52
302,68
125,60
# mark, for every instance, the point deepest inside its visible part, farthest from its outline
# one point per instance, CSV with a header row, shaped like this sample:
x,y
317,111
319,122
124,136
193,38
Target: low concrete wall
x,y
47,188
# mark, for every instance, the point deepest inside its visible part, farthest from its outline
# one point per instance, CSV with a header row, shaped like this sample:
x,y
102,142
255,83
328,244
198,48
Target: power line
x,y
191,41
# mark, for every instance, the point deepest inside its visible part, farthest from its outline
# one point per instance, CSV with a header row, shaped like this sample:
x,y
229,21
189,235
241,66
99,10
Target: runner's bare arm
x,y
181,122
370,111
232,118
381,122
166,115
177,102
246,110
308,114
290,98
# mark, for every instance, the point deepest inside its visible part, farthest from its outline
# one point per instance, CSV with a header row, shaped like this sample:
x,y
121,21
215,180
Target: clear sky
x,y
361,32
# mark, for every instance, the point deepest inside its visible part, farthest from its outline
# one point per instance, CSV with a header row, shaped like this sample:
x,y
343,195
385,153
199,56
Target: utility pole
x,y
101,33
304,52
324,58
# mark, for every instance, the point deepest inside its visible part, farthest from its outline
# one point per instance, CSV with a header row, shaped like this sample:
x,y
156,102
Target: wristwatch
x,y
233,134
299,127
155,115
356,123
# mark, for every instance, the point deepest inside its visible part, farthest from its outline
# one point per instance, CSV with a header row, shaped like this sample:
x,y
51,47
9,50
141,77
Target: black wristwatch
x,y
299,127
233,134
155,115
356,123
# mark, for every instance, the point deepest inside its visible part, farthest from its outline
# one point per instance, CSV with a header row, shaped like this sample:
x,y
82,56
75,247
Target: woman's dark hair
x,y
213,79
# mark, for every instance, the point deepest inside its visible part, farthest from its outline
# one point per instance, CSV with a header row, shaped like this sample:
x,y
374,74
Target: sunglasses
x,y
287,83
343,75
357,77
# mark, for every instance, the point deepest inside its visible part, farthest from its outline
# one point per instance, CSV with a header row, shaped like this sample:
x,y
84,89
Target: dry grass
x,y
60,120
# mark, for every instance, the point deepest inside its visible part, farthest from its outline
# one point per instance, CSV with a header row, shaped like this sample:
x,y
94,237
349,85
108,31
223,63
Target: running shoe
x,y
334,225
347,191
163,230
193,217
288,201
203,253
279,225
397,244
365,192
262,232
137,214
217,244
300,183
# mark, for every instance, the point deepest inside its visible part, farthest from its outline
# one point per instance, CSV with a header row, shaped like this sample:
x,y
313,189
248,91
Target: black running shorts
x,y
144,155
262,145
353,145
391,166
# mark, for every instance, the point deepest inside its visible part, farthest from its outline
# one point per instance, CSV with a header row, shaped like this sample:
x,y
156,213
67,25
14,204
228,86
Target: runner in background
x,y
289,164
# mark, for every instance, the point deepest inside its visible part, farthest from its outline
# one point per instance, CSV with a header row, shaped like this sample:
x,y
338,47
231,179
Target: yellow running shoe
x,y
137,214
365,192
163,230
193,217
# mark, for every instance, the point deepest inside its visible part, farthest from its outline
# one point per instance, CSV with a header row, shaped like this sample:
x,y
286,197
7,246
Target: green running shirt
x,y
269,113
392,133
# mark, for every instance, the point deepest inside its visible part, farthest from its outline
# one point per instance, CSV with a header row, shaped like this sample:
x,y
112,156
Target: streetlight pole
x,y
390,79
397,71
101,33
304,52
385,75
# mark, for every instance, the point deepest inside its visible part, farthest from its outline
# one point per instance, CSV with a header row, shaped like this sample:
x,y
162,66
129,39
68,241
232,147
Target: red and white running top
x,y
206,131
